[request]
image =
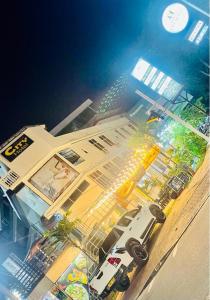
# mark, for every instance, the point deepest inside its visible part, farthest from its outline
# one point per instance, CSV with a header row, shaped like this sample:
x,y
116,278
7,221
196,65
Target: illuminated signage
x,y
175,17
53,178
201,35
16,148
198,32
156,80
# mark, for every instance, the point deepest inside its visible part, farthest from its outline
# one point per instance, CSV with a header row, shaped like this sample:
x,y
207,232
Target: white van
x,y
124,247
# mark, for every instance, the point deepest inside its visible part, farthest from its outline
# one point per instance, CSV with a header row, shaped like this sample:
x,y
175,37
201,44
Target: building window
x,y
71,156
75,195
132,126
118,132
125,131
33,207
97,145
101,179
106,140
112,169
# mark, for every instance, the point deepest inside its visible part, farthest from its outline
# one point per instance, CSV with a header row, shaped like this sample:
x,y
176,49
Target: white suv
x,y
124,247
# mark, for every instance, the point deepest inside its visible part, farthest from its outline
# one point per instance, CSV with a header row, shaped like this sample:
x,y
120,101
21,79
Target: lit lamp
x,y
175,18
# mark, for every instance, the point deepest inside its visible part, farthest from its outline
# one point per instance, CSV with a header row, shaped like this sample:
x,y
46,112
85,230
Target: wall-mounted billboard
x,y
53,178
74,280
156,80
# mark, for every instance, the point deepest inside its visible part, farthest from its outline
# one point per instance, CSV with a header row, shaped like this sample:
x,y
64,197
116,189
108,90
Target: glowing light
x,y
164,85
201,35
157,80
140,69
195,31
175,17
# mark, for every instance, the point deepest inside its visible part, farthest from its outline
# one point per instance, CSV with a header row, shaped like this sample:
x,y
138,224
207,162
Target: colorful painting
x,y
74,280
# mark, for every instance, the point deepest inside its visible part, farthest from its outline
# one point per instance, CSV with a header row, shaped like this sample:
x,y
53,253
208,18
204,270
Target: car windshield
x,y
124,221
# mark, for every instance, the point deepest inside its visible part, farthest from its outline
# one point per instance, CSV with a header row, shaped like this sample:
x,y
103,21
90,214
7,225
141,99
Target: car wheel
x,y
130,243
123,284
174,195
140,254
105,293
157,213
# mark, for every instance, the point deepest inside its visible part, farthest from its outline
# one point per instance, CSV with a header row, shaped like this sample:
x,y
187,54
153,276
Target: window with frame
x,y
100,178
124,221
118,132
132,127
125,131
106,140
111,168
97,145
71,156
75,195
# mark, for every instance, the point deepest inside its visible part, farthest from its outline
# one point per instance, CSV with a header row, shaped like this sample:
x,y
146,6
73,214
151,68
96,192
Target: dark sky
x,y
58,53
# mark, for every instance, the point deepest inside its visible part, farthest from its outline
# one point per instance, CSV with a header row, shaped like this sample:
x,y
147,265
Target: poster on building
x,y
53,178
75,279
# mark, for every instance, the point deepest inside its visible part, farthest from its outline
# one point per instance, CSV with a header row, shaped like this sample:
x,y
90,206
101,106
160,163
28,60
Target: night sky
x,y
58,53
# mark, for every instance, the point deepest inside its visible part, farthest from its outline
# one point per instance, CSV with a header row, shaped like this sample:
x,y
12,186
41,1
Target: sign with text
x,y
17,147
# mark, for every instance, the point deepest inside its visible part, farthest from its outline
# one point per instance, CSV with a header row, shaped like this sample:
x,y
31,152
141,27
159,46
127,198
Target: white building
x,y
90,172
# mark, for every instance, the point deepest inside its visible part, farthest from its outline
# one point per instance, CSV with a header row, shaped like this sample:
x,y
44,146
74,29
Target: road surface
x,y
185,273
183,212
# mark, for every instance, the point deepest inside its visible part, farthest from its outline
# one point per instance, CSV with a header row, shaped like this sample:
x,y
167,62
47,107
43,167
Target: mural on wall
x,y
53,178
74,280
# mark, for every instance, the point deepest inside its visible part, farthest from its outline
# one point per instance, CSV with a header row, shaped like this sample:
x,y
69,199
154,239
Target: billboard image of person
x,y
54,177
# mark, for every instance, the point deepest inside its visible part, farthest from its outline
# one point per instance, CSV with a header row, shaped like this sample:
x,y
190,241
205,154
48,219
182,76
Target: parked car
x,y
205,126
124,247
175,185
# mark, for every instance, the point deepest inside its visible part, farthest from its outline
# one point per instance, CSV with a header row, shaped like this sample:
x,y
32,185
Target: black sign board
x,y
16,148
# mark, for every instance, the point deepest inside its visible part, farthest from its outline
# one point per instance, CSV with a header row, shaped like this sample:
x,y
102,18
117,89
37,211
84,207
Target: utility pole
x,y
173,116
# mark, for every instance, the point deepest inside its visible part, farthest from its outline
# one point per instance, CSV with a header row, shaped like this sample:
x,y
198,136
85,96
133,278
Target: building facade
x,y
91,172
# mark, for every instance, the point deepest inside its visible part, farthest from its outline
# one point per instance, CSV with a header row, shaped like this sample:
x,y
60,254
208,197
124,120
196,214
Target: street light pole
x,y
173,116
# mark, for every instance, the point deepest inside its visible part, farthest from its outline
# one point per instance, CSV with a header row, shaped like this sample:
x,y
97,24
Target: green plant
x,y
62,231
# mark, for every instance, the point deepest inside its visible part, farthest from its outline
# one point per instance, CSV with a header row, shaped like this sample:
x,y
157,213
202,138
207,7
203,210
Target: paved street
x,y
185,274
184,210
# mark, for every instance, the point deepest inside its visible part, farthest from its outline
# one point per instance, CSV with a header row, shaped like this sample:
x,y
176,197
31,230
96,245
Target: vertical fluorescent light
x,y
150,76
164,85
140,69
157,80
201,34
195,31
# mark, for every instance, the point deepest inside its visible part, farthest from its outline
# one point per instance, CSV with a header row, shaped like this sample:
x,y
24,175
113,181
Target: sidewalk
x,y
184,210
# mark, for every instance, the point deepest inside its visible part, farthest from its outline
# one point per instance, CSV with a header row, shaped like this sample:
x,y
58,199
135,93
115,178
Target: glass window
x,y
132,126
118,132
97,145
111,239
124,221
83,186
125,131
106,140
133,213
75,195
100,178
71,156
32,205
